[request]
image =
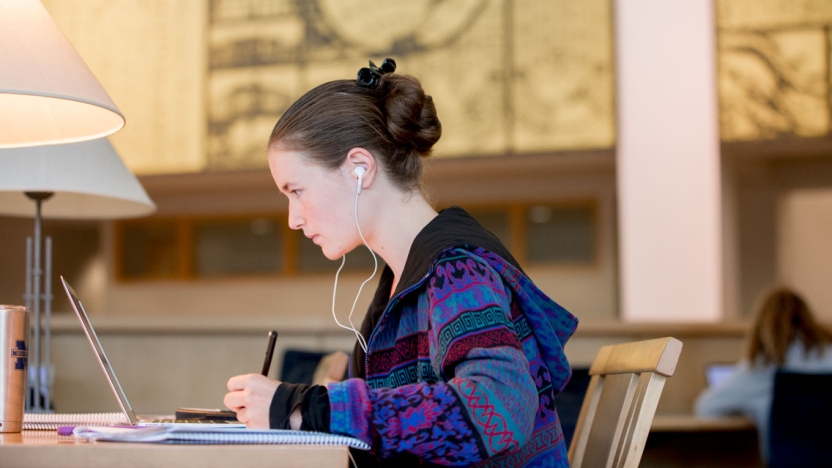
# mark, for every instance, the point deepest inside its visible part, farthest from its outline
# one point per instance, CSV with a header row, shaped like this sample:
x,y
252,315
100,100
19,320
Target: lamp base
x,y
41,401
39,196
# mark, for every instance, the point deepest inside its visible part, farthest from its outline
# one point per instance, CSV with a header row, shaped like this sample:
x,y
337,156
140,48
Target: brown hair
x,y
396,122
782,318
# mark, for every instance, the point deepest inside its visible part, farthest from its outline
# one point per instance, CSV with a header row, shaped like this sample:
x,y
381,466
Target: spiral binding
x,y
265,437
51,421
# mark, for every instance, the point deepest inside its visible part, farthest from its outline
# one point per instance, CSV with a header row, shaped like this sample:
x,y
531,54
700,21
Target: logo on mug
x,y
20,355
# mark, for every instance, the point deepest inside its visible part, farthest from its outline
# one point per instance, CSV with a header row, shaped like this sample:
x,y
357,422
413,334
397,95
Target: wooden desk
x,y
691,423
36,449
685,440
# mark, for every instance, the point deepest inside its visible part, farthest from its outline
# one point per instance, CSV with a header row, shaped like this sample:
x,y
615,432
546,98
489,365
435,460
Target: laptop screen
x,y
715,374
99,353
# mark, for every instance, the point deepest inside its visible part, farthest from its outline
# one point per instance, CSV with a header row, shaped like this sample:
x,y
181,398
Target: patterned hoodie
x,y
464,360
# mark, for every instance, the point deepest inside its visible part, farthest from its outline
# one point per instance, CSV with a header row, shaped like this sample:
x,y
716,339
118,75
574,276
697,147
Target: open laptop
x,y
716,373
92,337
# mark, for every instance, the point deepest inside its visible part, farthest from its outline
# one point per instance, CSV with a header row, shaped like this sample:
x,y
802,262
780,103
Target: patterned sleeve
x,y
485,401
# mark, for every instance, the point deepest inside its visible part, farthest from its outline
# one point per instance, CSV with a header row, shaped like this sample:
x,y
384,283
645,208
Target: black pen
x,y
269,351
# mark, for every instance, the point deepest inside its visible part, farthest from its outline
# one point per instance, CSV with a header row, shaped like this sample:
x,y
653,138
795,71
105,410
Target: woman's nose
x,y
295,220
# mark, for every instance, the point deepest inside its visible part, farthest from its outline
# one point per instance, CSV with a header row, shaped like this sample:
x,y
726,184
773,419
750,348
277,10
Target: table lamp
x,y
84,180
47,93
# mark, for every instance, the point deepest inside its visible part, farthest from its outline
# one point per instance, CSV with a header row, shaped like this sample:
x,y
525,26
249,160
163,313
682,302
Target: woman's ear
x,y
360,165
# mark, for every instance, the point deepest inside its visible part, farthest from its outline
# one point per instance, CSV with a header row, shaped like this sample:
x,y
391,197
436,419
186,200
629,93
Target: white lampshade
x,y
88,179
47,93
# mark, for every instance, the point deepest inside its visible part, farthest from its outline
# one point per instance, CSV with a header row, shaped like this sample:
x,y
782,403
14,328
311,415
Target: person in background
x,y
460,355
785,336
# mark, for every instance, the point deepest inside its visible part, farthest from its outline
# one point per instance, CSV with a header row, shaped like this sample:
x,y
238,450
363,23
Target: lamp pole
x,y
39,400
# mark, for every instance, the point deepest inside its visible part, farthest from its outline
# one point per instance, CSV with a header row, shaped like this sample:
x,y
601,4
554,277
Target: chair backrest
x,y
299,365
626,383
801,411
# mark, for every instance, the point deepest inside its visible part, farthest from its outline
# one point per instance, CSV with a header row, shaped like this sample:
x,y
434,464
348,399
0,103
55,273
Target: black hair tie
x,y
369,77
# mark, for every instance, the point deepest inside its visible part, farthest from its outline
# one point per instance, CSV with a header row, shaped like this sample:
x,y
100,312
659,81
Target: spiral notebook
x,y
51,422
213,435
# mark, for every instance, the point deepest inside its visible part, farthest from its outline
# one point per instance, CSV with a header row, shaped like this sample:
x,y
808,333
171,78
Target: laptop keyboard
x,y
188,421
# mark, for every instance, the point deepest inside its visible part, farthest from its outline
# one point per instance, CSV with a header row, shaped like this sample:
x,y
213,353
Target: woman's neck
x,y
398,221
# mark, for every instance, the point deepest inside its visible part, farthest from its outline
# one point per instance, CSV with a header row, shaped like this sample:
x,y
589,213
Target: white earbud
x,y
359,171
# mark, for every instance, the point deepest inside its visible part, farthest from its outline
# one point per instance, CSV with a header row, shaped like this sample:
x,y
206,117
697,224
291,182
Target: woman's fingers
x,y
238,382
250,396
234,400
242,415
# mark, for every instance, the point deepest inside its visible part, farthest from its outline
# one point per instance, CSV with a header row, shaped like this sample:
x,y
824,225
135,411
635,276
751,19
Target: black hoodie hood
x,y
453,227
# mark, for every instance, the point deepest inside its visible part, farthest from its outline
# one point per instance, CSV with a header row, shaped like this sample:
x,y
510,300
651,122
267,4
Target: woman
x,y
459,356
785,336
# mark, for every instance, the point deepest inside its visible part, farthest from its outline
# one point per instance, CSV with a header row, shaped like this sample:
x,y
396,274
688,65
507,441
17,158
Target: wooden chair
x,y
626,383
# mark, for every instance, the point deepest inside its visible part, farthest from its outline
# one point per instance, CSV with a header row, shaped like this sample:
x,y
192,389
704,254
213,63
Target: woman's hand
x,y
250,396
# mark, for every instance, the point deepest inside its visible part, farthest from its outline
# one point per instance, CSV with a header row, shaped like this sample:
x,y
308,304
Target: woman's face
x,y
320,201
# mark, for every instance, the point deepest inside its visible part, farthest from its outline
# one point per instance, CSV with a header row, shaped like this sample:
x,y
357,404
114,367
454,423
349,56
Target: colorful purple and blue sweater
x,y
464,361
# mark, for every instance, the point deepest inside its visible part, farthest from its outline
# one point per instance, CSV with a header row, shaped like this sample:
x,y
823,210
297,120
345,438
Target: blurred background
x,y
527,94
524,88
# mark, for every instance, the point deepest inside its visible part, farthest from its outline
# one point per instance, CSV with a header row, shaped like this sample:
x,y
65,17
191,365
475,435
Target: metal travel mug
x,y
14,336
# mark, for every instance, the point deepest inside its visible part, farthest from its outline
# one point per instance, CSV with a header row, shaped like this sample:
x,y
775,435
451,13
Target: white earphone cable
x,y
375,269
361,340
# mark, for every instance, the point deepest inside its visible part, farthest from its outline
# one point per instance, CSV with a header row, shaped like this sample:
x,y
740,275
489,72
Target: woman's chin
x,y
332,255
335,252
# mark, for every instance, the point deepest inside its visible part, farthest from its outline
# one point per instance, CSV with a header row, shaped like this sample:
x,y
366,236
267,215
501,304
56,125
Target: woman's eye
x,y
296,192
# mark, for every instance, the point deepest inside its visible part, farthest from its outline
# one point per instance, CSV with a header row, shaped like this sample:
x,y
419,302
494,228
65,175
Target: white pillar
x,y
668,163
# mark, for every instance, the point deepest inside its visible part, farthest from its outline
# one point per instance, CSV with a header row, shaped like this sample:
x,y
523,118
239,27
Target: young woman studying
x,y
785,335
460,356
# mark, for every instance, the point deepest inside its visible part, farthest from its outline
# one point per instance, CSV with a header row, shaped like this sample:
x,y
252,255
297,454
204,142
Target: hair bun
x,y
410,114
